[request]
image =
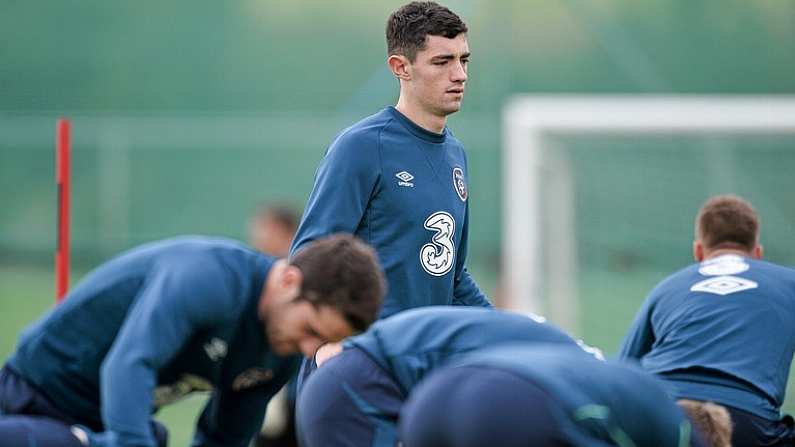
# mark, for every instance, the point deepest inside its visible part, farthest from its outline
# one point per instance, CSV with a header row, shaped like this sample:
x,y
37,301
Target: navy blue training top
x,y
152,325
596,403
723,331
403,190
412,343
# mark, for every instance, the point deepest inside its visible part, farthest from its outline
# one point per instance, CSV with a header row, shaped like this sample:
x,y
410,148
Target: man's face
x,y
439,73
299,326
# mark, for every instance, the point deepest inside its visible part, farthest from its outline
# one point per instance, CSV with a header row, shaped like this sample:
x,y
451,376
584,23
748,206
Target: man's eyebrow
x,y
448,57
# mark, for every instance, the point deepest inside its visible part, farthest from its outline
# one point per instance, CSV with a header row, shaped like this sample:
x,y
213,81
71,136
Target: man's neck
x,y
420,117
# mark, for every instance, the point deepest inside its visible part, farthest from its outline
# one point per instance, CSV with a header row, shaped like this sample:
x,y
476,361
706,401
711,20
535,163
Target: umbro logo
x,y
724,285
405,178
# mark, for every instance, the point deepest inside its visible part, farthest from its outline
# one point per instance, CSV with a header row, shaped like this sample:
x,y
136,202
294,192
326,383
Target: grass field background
x,y
605,313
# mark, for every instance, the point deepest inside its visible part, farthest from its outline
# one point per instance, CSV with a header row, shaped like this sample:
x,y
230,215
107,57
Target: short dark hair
x,y
407,28
342,272
727,221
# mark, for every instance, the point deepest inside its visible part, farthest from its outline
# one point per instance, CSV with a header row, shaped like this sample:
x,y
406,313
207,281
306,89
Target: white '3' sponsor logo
x,y
437,257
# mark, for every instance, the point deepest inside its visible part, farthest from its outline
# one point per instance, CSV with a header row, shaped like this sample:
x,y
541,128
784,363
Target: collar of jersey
x,y
416,130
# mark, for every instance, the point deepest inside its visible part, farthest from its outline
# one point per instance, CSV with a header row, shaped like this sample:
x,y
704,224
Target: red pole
x,y
62,151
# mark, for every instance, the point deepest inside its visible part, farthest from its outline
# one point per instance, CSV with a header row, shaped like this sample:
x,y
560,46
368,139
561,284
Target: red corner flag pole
x,y
62,150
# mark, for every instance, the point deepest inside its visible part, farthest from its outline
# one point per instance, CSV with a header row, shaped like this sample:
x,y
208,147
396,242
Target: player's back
x,y
722,331
62,352
604,403
412,343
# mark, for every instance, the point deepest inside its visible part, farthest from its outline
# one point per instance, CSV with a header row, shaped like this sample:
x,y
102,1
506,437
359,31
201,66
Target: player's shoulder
x,y
200,250
412,317
778,270
213,263
732,264
452,139
676,282
363,133
437,322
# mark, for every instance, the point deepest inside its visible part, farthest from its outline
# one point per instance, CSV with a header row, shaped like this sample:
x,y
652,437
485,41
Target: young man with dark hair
x,y
539,395
721,330
176,316
398,179
354,398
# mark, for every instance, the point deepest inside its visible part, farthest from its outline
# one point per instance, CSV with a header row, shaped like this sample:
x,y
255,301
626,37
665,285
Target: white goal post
x,y
527,122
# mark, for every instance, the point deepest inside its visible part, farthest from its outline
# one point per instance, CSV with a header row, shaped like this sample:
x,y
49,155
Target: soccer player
x,y
398,179
545,396
721,330
354,398
175,316
272,229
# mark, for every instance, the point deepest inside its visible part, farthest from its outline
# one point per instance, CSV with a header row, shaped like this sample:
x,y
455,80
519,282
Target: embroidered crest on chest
x,y
459,183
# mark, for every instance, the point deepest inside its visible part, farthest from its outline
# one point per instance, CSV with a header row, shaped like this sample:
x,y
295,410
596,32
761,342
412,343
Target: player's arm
x,y
232,418
640,337
465,291
176,300
344,182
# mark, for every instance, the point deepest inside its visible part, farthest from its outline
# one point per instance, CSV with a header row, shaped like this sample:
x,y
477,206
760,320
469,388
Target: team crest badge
x,y
459,183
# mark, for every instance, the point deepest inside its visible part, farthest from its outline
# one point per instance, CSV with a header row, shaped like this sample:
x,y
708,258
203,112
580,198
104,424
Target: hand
x,y
108,439
91,439
326,352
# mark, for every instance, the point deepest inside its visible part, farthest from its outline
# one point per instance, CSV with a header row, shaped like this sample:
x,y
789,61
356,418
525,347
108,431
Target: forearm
x,y
467,292
127,404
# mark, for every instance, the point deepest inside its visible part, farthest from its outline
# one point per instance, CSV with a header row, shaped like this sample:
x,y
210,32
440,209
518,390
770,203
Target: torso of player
x,y
412,343
416,214
214,359
726,299
421,200
64,351
728,314
599,398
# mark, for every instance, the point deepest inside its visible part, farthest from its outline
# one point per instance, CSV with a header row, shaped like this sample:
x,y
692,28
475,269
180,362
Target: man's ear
x,y
292,277
399,65
698,250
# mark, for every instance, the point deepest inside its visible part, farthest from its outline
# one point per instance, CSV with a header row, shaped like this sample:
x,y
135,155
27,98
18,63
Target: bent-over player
x,y
354,398
543,396
175,316
721,330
